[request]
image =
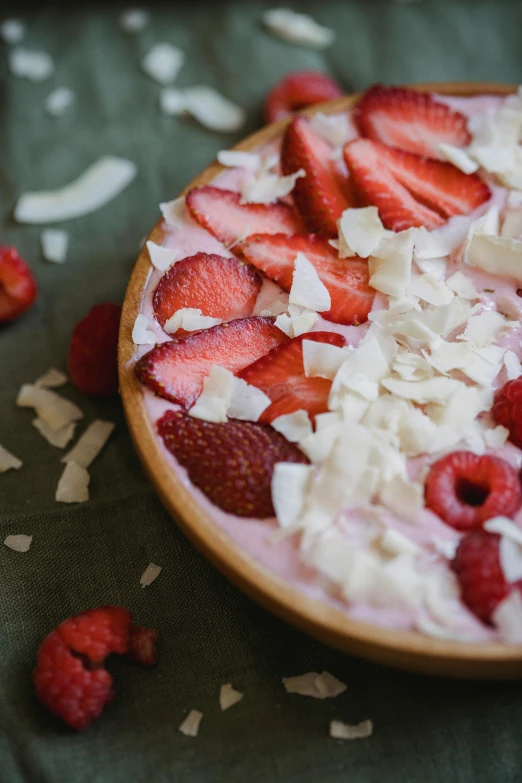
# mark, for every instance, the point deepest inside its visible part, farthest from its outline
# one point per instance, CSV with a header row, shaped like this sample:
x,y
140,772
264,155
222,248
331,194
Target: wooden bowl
x,y
403,649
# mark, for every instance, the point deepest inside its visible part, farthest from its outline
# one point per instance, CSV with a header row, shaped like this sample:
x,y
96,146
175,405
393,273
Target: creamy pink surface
x,y
255,537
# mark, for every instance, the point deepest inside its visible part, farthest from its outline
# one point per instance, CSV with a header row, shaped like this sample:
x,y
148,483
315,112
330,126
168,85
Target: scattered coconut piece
x,y
60,438
98,185
190,319
307,289
12,31
174,212
496,437
297,28
298,321
508,618
390,264
317,686
141,334
55,411
360,232
190,726
462,286
55,243
228,696
163,62
486,327
73,486
30,64
334,128
294,426
19,543
321,359
59,100
150,574
513,365
8,461
161,257
173,101
91,443
247,402
213,110
459,158
52,379
496,255
214,401
133,20
347,731
268,187
245,160
289,485
329,685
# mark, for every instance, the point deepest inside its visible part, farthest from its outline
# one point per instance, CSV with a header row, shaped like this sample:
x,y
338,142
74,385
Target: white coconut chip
x,y
163,62
55,243
173,102
486,327
228,696
317,686
447,547
98,185
18,543
174,212
459,158
213,110
58,439
73,486
133,20
347,731
141,334
8,461
462,286
55,411
513,365
90,443
150,574
190,726
512,224
436,390
298,321
214,401
244,160
321,359
289,485
12,31
329,685
508,618
496,437
297,28
390,264
190,319
497,255
307,289
268,187
30,64
247,402
294,426
52,379
334,128
59,100
161,257
360,232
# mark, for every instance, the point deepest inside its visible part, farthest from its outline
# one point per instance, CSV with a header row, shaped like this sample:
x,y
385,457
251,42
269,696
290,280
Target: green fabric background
x,y
426,730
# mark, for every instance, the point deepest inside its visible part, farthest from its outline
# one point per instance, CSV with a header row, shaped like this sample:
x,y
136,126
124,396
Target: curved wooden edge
x,y
402,649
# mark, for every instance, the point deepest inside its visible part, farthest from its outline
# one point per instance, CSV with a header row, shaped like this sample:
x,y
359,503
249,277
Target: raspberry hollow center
x,y
471,493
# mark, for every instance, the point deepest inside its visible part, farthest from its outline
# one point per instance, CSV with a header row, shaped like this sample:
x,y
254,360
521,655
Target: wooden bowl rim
x,y
406,649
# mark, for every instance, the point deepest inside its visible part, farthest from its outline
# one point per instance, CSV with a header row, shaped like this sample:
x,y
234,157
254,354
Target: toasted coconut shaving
x,y
8,461
347,731
317,686
55,411
190,726
52,379
18,543
228,696
73,486
59,439
150,574
90,444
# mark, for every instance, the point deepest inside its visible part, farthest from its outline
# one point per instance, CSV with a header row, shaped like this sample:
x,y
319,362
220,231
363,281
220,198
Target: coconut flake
x,y
91,443
307,288
190,726
55,411
30,64
18,543
174,212
459,158
347,731
321,359
8,461
98,185
247,402
430,290
244,160
317,686
294,426
60,438
161,257
214,401
297,28
190,319
213,110
360,232
513,366
228,696
486,328
462,286
334,128
141,334
52,379
436,390
268,187
133,20
150,574
500,256
289,484
512,224
496,437
59,100
298,321
12,31
173,102
163,62
73,486
55,243
390,264
508,618
329,685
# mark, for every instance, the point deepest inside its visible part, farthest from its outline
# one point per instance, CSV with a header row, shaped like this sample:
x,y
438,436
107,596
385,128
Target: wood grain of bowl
x,y
403,649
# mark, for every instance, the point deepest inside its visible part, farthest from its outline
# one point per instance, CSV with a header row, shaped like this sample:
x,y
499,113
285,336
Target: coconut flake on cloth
x,y
59,438
163,62
317,686
213,110
73,486
12,31
56,411
297,28
150,574
52,379
59,100
18,543
90,443
55,243
133,20
30,64
190,726
347,731
228,696
8,461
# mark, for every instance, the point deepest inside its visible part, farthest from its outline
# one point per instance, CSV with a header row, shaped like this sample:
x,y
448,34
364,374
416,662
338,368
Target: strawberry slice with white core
x,y
346,279
281,376
410,120
175,370
376,186
324,193
224,288
221,213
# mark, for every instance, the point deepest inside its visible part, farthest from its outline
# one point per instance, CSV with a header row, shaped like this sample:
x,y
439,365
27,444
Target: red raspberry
x,y
69,677
93,351
17,285
507,409
142,646
479,571
298,90
465,490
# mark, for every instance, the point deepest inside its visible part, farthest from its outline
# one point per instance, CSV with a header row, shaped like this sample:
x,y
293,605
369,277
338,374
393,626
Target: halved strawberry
x,y
410,120
175,369
221,287
376,186
17,285
231,463
280,374
346,279
221,213
323,195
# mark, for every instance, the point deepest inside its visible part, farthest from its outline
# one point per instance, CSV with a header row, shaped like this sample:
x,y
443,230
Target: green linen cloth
x,y
426,730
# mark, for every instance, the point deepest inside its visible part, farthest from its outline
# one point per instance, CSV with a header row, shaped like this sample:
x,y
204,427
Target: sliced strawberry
x,y
175,369
220,287
221,213
376,186
231,463
323,195
410,120
280,374
346,279
298,90
17,285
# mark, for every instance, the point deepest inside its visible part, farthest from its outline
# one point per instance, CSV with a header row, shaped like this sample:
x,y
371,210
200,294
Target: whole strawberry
x,y
507,409
93,351
17,285
298,90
